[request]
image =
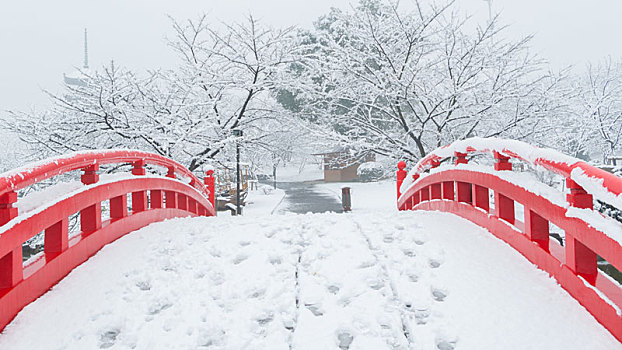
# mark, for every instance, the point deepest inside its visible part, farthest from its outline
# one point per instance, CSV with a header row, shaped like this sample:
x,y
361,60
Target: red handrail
x,y
153,198
463,189
27,175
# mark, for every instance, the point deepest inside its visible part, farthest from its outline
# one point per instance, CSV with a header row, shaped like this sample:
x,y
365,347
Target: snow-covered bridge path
x,y
407,280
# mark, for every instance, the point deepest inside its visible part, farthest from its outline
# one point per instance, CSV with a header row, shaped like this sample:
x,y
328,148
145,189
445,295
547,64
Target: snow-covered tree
x,y
402,83
600,107
224,81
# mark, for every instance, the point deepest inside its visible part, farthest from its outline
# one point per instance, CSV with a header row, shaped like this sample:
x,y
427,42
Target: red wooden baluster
x,y
461,158
537,229
502,162
139,198
448,190
481,198
436,191
91,217
579,258
90,175
56,238
171,196
504,206
401,175
157,199
182,201
211,187
463,190
118,207
11,271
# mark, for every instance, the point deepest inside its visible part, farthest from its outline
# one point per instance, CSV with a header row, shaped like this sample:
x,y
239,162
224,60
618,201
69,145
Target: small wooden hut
x,y
341,164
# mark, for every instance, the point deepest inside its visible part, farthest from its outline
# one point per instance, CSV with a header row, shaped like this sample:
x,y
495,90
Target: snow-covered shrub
x,y
370,171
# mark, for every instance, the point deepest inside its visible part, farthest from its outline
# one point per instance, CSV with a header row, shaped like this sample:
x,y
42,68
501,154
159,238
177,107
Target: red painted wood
x,y
573,265
20,285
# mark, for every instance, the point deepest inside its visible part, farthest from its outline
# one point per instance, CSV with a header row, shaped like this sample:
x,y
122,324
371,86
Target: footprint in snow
x,y
143,285
420,239
375,283
275,260
439,294
239,258
315,309
264,318
409,252
435,262
422,315
446,344
108,338
413,277
344,339
333,289
159,306
388,239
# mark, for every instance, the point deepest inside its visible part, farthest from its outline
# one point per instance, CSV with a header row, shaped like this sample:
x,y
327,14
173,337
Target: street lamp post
x,y
237,133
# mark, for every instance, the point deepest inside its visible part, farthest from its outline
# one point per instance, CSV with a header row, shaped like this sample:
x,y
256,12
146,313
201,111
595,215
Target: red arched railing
x,y
153,198
465,190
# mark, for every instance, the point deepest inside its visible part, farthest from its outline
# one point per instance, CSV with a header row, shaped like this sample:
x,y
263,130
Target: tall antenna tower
x,y
489,10
86,50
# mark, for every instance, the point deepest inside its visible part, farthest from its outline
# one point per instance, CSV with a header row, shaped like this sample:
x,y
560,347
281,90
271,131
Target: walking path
x,y
306,197
364,280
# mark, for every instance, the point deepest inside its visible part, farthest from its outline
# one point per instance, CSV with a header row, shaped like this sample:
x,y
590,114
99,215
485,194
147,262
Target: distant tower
x,y
79,77
86,51
489,11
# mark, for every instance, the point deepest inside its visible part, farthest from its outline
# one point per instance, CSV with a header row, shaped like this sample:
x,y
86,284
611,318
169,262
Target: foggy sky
x,y
41,39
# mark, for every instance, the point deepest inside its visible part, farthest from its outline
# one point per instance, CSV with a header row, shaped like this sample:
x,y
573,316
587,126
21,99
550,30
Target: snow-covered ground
x,y
263,201
371,279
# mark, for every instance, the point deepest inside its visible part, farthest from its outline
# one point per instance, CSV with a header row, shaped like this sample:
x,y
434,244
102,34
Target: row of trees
x,y
375,77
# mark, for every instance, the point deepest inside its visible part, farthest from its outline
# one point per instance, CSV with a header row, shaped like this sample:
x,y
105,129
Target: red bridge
x,y
485,181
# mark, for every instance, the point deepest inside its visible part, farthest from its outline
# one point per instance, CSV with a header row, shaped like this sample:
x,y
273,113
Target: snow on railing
x,y
464,189
153,198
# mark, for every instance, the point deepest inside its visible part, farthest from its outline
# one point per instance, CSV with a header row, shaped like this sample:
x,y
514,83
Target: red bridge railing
x,y
153,198
486,195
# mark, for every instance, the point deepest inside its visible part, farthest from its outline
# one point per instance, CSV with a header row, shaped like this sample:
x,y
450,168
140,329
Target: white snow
x,y
263,201
372,279
525,180
595,187
299,173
